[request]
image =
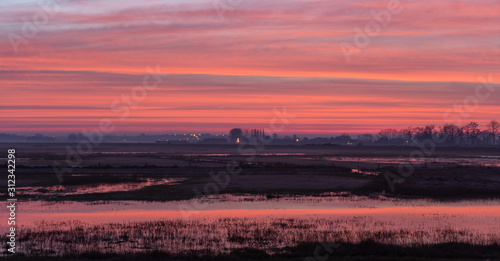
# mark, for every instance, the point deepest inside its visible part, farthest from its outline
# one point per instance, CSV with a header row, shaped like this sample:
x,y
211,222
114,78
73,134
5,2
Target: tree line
x,y
450,134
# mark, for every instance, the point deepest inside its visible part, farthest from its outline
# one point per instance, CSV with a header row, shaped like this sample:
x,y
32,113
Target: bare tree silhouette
x,y
493,128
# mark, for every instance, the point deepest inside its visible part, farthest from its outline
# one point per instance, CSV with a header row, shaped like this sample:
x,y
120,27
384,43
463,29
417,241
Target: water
x,y
65,190
366,172
487,161
227,222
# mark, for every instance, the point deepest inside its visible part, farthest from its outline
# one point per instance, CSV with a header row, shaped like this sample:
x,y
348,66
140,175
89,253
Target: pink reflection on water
x,y
464,214
290,219
366,172
63,190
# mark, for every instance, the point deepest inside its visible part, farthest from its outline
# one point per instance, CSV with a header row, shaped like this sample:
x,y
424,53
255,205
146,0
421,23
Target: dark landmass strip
x,y
367,250
277,170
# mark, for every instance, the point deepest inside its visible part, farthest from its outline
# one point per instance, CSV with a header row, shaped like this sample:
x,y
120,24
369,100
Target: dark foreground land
x,y
274,171
447,173
367,250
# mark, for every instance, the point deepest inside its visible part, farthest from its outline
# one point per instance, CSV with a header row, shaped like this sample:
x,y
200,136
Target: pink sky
x,y
232,72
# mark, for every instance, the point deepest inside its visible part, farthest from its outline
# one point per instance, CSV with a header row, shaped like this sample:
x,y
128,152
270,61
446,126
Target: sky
x,y
333,66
